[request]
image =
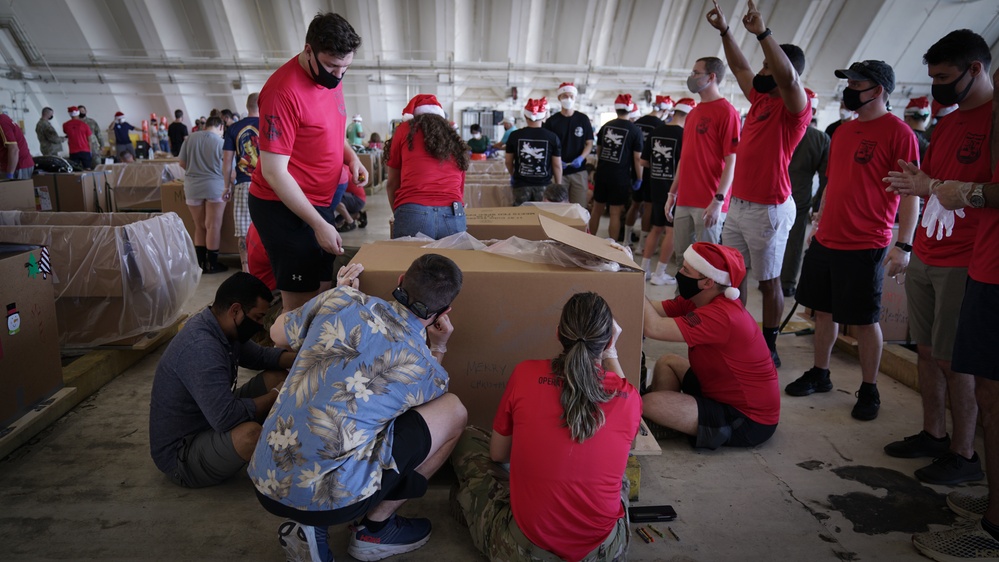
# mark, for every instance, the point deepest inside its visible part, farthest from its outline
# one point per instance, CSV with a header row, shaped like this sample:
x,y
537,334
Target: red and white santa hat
x,y
567,88
420,104
918,106
633,113
810,94
937,110
685,105
357,118
722,264
664,103
623,101
536,110
73,110
119,114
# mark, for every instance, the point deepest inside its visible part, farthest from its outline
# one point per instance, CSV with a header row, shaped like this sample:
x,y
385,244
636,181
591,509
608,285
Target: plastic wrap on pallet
x,y
116,275
136,185
488,195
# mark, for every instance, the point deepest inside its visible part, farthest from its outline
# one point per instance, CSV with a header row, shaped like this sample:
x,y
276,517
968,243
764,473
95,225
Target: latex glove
x,y
578,162
636,185
611,351
511,181
565,164
348,274
936,218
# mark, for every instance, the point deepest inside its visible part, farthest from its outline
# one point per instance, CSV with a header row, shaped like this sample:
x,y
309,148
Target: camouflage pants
x,y
484,496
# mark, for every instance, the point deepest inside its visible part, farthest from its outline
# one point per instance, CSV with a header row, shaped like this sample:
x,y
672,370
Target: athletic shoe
x,y
868,403
663,279
775,358
347,226
967,505
921,444
302,543
951,469
964,541
400,535
362,219
215,268
813,380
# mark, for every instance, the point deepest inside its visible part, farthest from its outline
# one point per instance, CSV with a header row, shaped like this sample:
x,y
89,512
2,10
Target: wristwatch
x,y
977,198
903,246
719,197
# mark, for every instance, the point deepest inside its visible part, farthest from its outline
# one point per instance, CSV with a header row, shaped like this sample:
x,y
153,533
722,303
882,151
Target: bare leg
x,y
213,224
773,302
198,214
664,403
615,221
825,338
666,249
650,242
290,301
598,211
869,342
244,259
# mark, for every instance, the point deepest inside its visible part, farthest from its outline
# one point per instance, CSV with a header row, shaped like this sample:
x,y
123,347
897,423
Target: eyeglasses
x,y
416,307
696,73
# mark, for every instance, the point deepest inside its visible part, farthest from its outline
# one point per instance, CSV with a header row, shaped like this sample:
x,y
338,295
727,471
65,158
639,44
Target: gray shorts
x,y
576,185
760,232
688,227
934,296
209,457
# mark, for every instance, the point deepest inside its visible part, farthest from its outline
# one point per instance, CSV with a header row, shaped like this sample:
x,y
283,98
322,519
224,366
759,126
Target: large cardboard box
x,y
115,275
486,223
78,191
30,366
508,309
173,200
17,195
136,185
487,194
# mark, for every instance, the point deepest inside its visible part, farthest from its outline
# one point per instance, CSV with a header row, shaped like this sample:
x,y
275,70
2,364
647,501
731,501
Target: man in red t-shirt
x,y
727,392
762,210
15,157
78,134
302,126
845,263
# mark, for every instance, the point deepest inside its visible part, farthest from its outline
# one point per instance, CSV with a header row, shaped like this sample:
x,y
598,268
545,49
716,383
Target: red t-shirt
x,y
959,151
984,266
857,212
769,138
256,259
11,133
565,496
303,120
423,179
78,134
710,133
729,356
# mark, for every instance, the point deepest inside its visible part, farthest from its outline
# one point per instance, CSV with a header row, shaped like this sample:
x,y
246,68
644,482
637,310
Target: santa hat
x,y
623,101
918,106
722,264
567,88
633,113
810,94
663,103
118,114
73,110
536,110
420,104
938,110
685,105
358,118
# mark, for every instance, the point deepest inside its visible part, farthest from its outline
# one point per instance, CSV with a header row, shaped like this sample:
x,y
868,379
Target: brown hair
x,y
440,140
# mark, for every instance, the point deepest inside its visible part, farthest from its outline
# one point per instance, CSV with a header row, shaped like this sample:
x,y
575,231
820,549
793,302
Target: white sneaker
x,y
967,505
663,279
301,545
648,275
966,540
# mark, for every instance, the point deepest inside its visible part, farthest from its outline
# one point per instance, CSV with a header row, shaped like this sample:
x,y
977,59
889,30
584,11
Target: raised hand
x,y
716,18
753,20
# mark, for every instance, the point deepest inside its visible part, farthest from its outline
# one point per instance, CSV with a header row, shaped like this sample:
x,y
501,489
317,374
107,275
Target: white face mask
x,y
845,114
567,103
476,135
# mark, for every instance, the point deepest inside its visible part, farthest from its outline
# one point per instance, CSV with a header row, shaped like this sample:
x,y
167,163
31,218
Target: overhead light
x,y
237,84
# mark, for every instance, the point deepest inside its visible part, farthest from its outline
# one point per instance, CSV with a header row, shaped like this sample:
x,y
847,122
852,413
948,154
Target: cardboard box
x,y
372,163
78,191
488,195
173,200
508,309
136,185
17,195
30,365
115,275
487,223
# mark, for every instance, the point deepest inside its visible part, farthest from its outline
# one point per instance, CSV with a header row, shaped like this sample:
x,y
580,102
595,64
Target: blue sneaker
x,y
303,543
400,535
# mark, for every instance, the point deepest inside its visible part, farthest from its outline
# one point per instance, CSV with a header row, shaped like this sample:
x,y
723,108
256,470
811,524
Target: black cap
x,y
876,71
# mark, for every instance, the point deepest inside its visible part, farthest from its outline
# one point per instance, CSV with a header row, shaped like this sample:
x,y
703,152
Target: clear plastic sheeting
x,y
136,185
532,251
567,210
497,194
496,166
116,275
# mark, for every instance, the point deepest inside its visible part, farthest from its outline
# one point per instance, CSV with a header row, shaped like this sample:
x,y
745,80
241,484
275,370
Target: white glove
x,y
936,218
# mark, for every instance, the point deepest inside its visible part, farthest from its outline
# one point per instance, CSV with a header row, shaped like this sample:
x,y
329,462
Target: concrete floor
x,y
820,489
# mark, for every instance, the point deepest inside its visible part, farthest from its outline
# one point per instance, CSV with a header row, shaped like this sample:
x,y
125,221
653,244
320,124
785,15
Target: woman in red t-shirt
x,y
426,167
566,427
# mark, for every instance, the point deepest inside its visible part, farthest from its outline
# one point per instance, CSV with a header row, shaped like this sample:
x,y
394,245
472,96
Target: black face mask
x,y
947,94
324,78
687,286
851,98
247,329
764,84
83,116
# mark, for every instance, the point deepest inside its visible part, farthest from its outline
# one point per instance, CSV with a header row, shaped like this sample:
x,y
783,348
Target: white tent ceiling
x,y
145,56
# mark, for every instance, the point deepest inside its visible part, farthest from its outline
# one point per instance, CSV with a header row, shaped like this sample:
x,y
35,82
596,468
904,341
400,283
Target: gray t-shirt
x,y
202,154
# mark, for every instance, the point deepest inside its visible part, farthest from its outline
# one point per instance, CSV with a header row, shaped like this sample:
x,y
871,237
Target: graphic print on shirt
x,y
703,125
865,152
578,132
249,146
612,145
970,148
663,159
273,127
533,154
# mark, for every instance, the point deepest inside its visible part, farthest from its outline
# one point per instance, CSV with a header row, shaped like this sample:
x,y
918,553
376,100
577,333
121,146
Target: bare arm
x,y
391,184
728,173
557,168
500,446
264,403
357,170
278,336
509,163
13,153
660,327
788,83
896,261
587,148
737,62
227,156
275,171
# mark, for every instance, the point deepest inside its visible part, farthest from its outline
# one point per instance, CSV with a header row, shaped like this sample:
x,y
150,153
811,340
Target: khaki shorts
x,y
576,185
934,296
760,233
688,227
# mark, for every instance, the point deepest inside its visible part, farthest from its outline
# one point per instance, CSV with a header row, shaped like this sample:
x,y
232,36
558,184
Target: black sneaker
x,y
362,219
788,291
347,226
951,469
868,403
399,536
813,380
215,268
921,444
775,358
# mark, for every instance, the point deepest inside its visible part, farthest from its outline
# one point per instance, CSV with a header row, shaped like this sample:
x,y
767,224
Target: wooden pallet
x,y
28,425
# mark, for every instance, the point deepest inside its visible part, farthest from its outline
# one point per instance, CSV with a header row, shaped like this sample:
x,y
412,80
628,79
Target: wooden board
x,y
645,444
28,425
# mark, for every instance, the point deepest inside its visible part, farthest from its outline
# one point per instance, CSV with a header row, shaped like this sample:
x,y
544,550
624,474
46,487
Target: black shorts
x,y
975,349
299,263
410,446
609,193
720,424
659,215
846,283
643,194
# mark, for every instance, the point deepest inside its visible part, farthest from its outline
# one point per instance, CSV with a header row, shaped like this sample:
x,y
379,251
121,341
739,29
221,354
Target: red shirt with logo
x,y
78,134
984,266
769,138
729,356
857,212
565,495
423,179
710,133
11,134
959,151
303,120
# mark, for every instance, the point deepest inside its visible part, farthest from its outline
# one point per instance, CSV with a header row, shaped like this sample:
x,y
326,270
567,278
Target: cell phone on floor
x,y
651,513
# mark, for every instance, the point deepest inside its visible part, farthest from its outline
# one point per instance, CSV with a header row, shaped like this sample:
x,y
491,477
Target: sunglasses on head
x,y
416,307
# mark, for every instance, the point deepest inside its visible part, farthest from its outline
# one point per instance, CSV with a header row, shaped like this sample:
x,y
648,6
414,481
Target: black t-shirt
x,y
663,154
572,132
533,149
617,140
647,124
176,131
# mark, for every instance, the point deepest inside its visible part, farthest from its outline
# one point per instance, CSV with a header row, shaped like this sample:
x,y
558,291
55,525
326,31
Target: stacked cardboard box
x,y
487,184
18,195
136,185
173,200
486,223
77,191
